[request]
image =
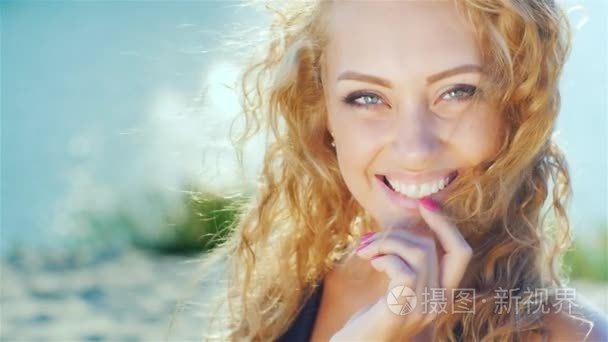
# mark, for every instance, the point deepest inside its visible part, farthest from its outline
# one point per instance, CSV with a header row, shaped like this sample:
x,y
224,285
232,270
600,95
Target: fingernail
x,y
429,204
366,236
376,256
363,244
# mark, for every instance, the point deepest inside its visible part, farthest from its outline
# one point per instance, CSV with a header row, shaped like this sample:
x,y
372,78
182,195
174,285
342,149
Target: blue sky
x,y
99,101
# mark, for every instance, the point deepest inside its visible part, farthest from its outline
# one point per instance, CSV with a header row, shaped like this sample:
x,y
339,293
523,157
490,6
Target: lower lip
x,y
402,201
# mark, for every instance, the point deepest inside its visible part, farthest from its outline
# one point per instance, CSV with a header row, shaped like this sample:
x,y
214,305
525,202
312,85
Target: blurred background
x,y
117,166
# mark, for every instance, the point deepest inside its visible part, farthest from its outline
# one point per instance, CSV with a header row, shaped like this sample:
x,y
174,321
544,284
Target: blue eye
x,y
461,92
369,99
363,99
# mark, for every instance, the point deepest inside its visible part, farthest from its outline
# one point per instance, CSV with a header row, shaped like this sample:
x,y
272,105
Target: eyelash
x,y
471,90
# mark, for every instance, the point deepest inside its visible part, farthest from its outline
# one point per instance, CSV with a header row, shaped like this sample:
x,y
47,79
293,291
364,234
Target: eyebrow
x,y
355,76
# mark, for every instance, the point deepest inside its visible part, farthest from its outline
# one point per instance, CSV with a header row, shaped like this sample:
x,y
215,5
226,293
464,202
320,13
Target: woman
x,y
411,153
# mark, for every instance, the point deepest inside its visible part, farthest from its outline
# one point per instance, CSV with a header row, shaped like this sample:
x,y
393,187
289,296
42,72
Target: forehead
x,y
412,35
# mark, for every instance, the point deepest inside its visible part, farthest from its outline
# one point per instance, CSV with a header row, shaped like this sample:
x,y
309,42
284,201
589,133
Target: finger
x,y
415,256
376,243
458,251
400,274
397,270
405,234
430,246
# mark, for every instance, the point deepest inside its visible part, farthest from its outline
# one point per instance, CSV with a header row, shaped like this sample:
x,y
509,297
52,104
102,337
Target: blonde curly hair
x,y
303,219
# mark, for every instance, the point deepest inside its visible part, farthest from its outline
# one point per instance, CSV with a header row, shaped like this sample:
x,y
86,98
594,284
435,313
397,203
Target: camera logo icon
x,y
401,300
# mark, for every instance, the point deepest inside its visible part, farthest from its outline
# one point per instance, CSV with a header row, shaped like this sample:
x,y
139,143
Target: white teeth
x,y
410,189
435,187
398,189
419,190
426,188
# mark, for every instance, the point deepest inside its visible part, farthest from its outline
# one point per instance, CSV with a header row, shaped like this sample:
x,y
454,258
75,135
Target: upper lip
x,y
419,178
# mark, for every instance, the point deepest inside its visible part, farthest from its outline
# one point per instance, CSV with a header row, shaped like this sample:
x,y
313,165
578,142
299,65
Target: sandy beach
x,y
131,296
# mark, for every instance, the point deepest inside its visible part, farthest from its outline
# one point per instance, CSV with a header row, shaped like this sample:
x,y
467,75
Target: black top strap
x,y
301,328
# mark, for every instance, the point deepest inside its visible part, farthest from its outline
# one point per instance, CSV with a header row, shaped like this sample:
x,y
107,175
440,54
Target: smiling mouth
x,y
417,191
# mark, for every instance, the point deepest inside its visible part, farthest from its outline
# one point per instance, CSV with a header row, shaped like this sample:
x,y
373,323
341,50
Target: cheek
x,y
357,144
353,146
359,139
478,138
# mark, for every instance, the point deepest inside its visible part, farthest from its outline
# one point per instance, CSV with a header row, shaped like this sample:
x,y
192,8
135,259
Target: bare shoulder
x,y
585,323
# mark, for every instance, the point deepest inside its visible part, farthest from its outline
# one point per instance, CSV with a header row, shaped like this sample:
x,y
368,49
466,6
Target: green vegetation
x,y
207,220
191,222
197,223
588,259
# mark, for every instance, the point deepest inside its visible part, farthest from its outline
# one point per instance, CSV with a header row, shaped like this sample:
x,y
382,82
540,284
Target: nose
x,y
415,139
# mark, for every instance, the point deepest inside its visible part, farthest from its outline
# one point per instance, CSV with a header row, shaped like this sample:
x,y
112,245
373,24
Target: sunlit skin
x,y
422,123
414,68
417,120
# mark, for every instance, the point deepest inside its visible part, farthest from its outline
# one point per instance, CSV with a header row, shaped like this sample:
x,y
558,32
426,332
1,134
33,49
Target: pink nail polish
x,y
366,236
363,244
429,204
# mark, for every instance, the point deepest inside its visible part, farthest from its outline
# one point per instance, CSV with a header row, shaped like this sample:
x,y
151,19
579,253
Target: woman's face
x,y
398,81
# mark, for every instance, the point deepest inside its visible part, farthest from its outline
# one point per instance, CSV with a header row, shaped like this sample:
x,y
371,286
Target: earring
x,y
333,143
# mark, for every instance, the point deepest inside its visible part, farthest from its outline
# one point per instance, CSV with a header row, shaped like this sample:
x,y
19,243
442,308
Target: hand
x,y
409,260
